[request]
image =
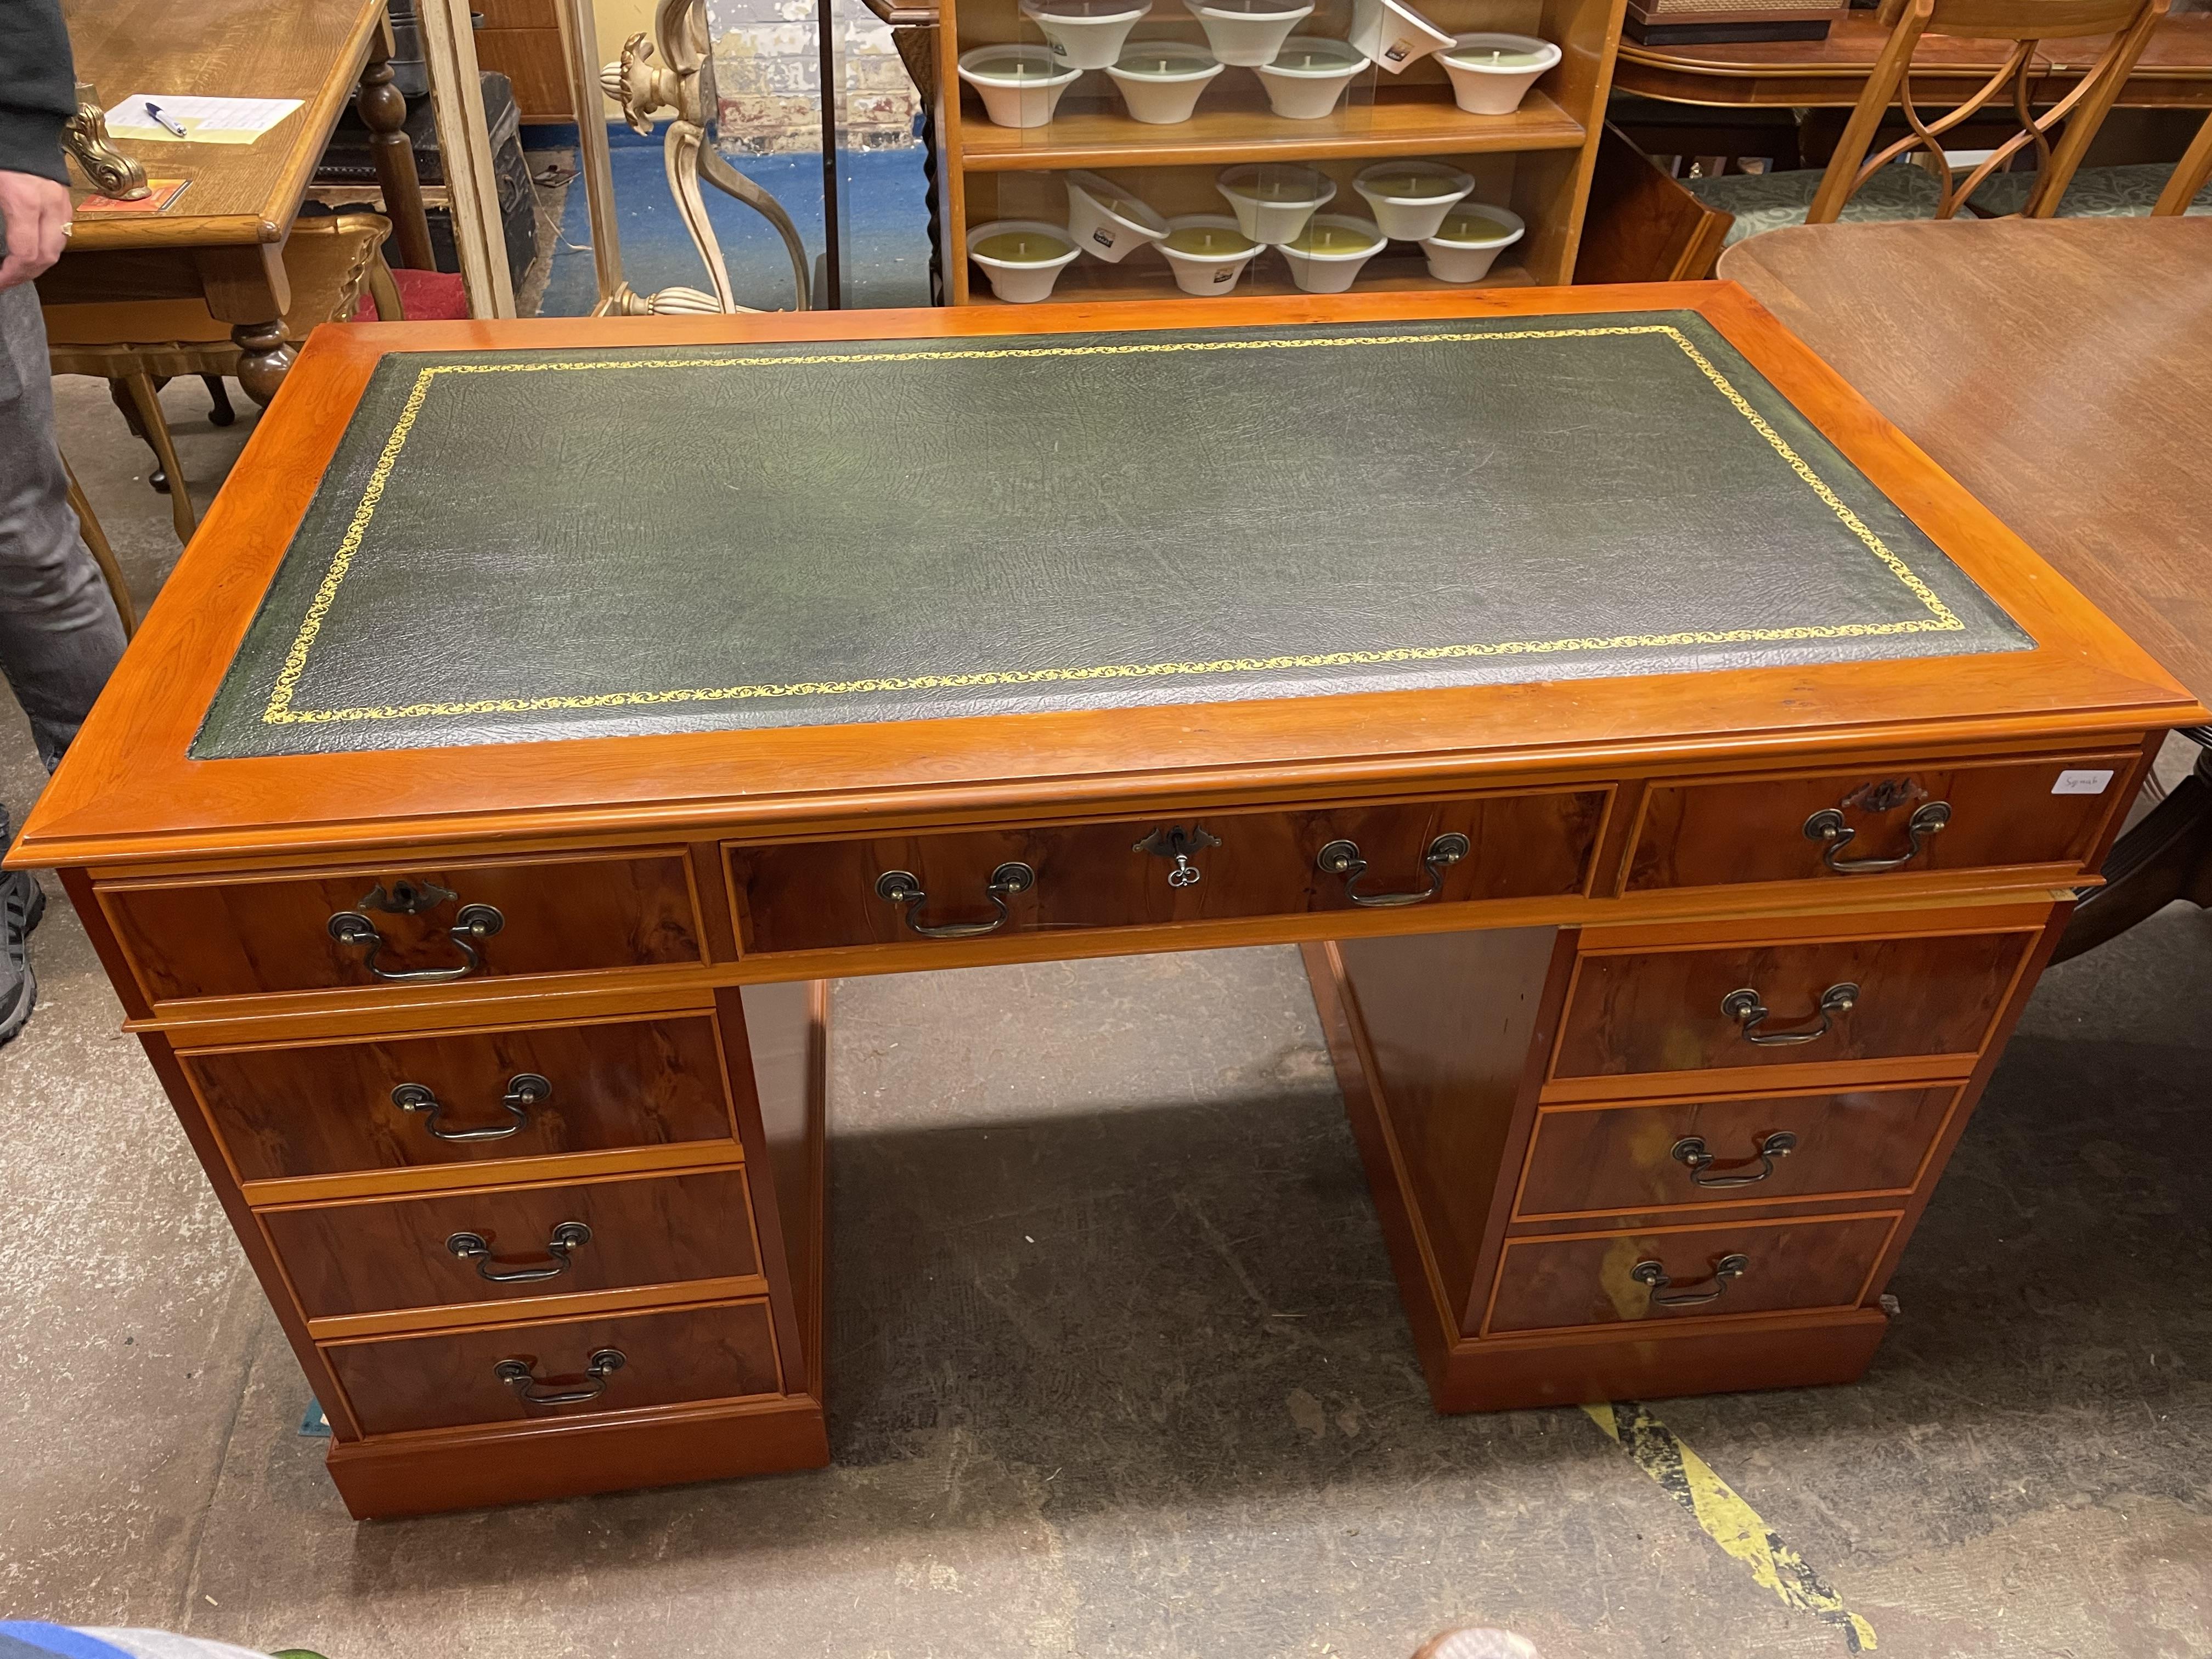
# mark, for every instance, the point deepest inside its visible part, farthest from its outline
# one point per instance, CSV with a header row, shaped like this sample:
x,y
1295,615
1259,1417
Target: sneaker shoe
x,y
22,902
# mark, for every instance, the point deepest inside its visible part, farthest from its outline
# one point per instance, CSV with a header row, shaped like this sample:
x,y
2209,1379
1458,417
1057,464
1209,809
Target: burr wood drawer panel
x,y
1672,1272
1634,1012
554,1369
406,924
465,1098
812,896
1945,815
1588,1160
498,1244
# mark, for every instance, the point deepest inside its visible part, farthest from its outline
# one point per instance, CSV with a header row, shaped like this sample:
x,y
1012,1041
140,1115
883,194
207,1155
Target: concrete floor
x,y
1116,1365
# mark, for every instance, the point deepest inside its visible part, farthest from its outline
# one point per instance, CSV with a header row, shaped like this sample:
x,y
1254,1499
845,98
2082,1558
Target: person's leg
x,y
59,633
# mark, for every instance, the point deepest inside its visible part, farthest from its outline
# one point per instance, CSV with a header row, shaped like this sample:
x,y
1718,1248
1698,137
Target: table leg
x,y
265,356
153,427
2168,856
384,112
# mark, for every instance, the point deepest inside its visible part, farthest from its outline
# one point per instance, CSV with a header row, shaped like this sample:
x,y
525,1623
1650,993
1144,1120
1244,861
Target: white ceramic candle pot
x,y
1023,258
1085,34
1326,256
1409,199
1470,239
1160,79
1208,252
1106,220
1247,32
1273,200
1491,73
1020,86
1391,33
1309,74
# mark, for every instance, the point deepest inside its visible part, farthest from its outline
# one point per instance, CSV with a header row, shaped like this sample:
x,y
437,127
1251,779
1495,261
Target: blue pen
x,y
166,123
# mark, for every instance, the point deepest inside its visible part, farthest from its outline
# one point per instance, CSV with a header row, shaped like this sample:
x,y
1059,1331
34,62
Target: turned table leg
x,y
265,356
383,109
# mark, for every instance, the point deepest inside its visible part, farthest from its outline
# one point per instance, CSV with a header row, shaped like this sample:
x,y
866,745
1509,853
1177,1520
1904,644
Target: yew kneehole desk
x,y
1675,783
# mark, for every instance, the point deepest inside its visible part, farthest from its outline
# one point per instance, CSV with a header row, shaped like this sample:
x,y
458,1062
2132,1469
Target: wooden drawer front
x,y
372,1255
824,894
328,1109
1724,831
1550,1284
1661,1011
724,1350
236,937
1592,1160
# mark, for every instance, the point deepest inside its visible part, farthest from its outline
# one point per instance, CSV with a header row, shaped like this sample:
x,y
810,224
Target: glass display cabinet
x,y
1128,149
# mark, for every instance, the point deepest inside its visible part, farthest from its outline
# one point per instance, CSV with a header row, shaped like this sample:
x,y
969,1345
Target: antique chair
x,y
2148,188
103,553
1858,186
136,345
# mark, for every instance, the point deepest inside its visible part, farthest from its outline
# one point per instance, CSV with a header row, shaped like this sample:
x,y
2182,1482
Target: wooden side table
x,y
2062,370
222,240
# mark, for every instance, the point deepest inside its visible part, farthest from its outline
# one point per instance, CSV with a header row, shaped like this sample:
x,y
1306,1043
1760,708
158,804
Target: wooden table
x,y
2062,371
222,240
1676,782
2175,71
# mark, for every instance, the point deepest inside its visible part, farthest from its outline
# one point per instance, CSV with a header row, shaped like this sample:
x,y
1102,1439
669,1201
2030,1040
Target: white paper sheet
x,y
205,120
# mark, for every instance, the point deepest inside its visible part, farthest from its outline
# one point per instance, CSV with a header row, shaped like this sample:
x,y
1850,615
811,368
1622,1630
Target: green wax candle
x,y
1472,227
1411,186
1021,247
1494,57
1162,64
1014,69
1276,190
1207,239
1318,237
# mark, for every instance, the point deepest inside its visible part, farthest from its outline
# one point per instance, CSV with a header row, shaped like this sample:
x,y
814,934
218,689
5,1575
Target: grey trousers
x,y
59,633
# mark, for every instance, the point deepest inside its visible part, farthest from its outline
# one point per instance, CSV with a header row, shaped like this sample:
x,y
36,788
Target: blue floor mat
x,y
886,241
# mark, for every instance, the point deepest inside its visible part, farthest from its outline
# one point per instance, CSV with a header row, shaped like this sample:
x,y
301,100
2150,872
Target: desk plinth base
x,y
1556,1368
472,1468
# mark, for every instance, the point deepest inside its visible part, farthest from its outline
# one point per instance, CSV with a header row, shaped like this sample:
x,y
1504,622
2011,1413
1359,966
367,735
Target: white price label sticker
x,y
2082,783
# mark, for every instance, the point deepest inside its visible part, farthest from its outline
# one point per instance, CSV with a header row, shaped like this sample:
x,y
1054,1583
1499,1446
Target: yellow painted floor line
x,y
1728,1519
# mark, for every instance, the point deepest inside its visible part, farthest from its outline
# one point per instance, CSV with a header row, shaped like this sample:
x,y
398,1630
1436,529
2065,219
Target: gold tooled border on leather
x,y
280,711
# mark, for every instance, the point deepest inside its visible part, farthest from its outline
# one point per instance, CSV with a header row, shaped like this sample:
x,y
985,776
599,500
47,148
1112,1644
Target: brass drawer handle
x,y
1827,826
475,922
1691,1151
1748,1008
905,887
516,1374
1651,1273
1341,858
561,1247
524,1091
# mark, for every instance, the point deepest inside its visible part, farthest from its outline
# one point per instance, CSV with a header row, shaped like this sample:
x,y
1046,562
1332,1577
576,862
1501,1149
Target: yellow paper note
x,y
140,119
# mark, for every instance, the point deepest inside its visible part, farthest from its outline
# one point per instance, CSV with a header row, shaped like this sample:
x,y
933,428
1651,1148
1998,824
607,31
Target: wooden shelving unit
x,y
1536,161
1146,276
1229,133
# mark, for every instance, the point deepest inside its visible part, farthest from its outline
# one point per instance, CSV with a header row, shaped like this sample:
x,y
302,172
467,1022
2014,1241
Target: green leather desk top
x,y
520,546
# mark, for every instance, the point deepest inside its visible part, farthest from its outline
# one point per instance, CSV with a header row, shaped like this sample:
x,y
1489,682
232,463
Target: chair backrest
x,y
2026,24
2189,173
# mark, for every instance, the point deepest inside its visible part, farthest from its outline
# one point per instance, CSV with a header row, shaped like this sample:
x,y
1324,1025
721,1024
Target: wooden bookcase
x,y
1537,161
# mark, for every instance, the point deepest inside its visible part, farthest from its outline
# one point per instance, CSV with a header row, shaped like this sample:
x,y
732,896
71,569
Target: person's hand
x,y
38,214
